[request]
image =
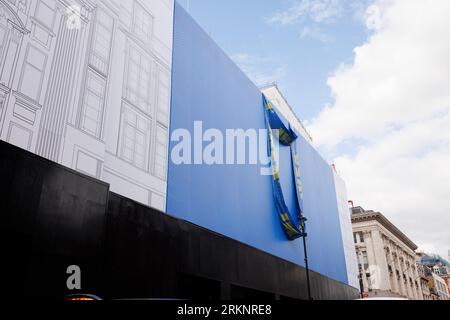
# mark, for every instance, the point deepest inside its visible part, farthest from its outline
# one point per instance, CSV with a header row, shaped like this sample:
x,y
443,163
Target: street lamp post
x,y
305,235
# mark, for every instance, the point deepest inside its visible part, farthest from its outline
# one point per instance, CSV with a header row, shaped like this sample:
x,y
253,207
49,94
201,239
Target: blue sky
x,y
300,56
371,79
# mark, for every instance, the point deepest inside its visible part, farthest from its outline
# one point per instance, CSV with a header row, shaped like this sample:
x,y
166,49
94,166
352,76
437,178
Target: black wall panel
x,y
52,217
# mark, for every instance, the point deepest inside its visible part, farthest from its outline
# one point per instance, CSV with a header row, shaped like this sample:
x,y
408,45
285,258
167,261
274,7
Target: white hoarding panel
x,y
347,233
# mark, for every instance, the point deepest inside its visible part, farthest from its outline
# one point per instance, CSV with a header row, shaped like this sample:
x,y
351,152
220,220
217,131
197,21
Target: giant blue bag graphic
x,y
236,200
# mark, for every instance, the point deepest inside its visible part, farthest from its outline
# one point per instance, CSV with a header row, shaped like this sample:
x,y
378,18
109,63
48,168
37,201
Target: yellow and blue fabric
x,y
287,137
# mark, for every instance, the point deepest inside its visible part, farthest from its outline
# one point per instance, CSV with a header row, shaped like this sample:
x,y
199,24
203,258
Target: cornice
x,y
380,218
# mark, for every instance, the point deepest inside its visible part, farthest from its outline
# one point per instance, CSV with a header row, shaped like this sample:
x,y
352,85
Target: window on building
x,y
365,260
3,34
163,98
137,89
161,152
93,103
358,237
46,12
97,75
361,237
2,100
142,23
102,42
162,117
33,73
135,137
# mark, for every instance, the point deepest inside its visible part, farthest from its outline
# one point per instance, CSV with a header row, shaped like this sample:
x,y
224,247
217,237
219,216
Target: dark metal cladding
x,y
52,217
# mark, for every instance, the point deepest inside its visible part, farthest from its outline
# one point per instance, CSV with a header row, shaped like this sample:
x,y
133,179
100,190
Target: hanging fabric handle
x,y
286,137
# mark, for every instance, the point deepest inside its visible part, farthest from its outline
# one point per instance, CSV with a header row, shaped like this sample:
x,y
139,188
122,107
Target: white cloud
x,y
259,69
360,10
312,14
315,33
392,106
316,10
373,17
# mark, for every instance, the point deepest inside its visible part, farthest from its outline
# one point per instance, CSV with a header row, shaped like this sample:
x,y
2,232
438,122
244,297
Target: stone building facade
x,y
440,287
86,83
386,257
437,271
425,274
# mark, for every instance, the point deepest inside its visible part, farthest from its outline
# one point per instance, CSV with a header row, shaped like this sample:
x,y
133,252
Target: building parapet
x,y
361,216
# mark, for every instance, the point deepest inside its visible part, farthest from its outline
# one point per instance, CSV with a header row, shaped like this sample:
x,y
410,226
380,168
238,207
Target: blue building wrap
x,y
236,200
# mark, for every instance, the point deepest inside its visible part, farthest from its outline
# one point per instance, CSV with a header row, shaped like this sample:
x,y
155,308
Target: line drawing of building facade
x,y
86,83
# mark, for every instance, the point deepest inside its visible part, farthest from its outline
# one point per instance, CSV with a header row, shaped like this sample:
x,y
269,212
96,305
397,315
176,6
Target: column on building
x,y
405,267
12,32
411,278
367,235
59,95
419,281
362,271
416,279
377,258
399,271
402,273
391,261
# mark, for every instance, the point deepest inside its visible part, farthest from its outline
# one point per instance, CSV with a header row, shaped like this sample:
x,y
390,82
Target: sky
x,y
371,80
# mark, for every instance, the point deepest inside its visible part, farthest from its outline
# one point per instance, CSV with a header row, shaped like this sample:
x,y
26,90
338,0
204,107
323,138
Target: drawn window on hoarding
x,y
142,23
137,89
93,104
8,62
33,72
22,6
116,3
135,136
102,42
97,73
46,13
163,98
161,152
2,101
3,33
